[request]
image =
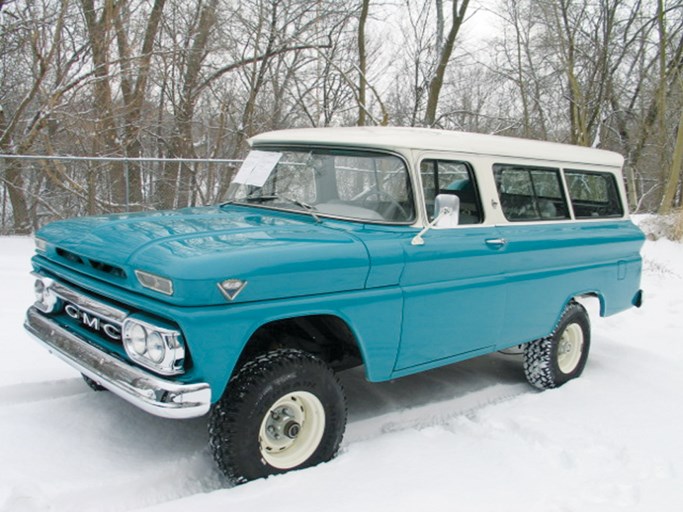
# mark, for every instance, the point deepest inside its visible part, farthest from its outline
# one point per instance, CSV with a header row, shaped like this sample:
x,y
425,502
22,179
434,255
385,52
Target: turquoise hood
x,y
278,254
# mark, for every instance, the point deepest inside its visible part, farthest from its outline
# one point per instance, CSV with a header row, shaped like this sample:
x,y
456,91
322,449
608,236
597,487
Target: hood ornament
x,y
231,288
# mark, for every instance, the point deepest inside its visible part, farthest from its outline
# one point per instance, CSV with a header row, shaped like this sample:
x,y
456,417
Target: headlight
x,y
137,339
46,300
158,348
155,282
39,289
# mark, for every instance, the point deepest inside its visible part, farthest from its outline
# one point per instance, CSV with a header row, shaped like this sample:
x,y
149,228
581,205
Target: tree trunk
x,y
436,83
17,197
577,115
14,182
671,184
106,143
362,63
172,188
134,93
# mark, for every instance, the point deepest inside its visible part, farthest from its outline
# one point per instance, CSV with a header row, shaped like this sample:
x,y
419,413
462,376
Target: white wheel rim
x,y
291,430
570,348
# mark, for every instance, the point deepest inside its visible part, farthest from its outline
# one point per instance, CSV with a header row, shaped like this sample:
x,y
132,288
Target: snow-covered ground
x,y
472,436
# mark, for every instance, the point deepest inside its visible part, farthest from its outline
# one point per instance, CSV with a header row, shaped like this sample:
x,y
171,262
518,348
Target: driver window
x,y
455,178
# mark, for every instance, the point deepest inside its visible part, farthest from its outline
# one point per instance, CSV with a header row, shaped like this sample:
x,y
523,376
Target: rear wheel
x,y
550,362
282,411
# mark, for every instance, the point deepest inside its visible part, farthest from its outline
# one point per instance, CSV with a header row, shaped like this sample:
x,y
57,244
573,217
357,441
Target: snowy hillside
x,y
470,437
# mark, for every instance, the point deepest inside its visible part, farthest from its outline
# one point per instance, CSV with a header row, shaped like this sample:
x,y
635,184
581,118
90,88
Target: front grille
x,y
100,266
108,269
100,322
101,326
100,318
70,256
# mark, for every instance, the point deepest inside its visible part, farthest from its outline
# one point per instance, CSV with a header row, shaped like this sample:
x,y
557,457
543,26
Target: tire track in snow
x,y
30,392
430,398
109,456
433,414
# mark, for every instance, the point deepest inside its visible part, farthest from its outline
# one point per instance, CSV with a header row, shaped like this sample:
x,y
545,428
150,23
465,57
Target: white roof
x,y
401,138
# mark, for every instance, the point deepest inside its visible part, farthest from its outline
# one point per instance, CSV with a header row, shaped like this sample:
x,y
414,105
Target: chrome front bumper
x,y
152,394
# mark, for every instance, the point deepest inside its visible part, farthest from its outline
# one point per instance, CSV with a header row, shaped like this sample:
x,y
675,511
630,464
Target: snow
x,y
472,436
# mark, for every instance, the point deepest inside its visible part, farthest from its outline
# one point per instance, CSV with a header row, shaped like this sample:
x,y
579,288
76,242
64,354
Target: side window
x,y
451,177
593,194
530,193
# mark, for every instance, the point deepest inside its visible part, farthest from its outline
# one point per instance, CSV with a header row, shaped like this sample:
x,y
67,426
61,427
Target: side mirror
x,y
450,202
448,208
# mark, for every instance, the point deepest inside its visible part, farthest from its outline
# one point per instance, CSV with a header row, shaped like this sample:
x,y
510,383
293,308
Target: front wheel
x,y
282,411
550,362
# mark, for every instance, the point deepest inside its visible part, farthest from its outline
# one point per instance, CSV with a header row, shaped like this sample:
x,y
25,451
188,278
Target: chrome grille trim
x,y
87,303
156,395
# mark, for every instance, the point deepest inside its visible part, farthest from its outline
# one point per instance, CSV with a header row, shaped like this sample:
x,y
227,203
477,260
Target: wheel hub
x,y
283,423
570,348
291,430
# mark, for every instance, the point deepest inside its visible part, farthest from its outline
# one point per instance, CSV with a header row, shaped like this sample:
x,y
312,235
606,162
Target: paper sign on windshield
x,y
257,167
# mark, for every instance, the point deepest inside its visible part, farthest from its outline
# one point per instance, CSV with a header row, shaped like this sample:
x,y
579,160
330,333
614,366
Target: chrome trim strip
x,y
85,302
152,394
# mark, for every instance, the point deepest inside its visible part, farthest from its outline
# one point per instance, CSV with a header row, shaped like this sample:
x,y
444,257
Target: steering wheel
x,y
393,208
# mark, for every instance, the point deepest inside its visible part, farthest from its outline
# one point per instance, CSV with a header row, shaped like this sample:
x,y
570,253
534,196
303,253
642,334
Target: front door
x,y
454,284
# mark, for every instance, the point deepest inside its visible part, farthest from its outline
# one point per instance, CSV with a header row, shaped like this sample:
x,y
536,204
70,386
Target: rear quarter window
x,y
593,194
530,193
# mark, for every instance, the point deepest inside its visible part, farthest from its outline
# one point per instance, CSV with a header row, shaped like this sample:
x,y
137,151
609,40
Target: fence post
x,y
126,177
4,204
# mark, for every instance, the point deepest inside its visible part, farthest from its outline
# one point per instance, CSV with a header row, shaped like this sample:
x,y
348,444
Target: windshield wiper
x,y
275,197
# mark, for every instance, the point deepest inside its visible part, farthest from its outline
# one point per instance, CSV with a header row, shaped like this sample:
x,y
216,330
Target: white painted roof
x,y
401,138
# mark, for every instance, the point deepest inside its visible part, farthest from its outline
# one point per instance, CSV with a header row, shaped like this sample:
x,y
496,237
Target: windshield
x,y
358,185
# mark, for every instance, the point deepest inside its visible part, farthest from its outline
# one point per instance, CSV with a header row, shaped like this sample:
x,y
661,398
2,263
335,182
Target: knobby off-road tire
x,y
282,411
550,362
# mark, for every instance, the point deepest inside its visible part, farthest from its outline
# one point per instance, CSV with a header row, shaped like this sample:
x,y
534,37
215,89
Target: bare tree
x,y
35,42
362,62
197,78
100,26
671,75
174,182
675,173
445,52
598,74
134,78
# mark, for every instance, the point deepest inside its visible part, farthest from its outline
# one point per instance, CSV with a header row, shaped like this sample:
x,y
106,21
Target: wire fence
x,y
35,190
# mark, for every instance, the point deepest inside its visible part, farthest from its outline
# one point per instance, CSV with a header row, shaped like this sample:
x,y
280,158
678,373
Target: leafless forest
x,y
166,92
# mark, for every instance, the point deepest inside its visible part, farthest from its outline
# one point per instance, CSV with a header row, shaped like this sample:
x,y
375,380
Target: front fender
x,y
217,336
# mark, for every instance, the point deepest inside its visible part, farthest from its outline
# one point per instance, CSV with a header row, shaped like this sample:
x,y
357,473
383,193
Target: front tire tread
x,y
234,421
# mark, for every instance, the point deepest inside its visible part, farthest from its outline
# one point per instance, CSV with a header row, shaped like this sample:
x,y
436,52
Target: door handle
x,y
496,243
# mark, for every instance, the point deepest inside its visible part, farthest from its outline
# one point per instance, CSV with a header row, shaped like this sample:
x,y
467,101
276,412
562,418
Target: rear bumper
x,y
150,393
